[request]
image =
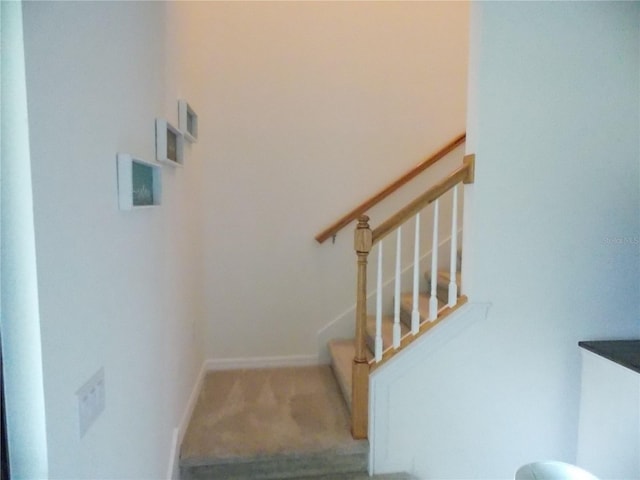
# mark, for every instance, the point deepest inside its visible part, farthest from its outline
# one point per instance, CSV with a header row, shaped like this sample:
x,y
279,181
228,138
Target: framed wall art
x,y
188,121
169,143
139,183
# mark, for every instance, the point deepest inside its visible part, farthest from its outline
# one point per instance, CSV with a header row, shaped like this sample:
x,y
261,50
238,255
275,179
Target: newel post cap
x,y
363,239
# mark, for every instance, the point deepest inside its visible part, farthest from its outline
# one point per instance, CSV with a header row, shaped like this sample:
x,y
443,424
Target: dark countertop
x,y
623,352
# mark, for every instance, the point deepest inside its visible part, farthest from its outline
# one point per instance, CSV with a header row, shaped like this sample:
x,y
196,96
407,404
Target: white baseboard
x,y
173,472
261,362
191,403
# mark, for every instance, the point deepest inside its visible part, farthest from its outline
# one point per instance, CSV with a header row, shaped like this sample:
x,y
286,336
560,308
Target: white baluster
x,y
378,339
453,286
415,313
433,300
396,305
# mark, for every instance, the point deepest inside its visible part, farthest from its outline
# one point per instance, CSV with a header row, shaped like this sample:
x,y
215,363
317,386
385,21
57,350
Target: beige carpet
x,y
255,413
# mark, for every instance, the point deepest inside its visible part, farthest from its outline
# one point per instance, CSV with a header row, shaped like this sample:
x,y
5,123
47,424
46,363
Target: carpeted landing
x,y
284,423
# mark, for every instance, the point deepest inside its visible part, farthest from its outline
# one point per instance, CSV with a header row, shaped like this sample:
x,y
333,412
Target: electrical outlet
x,y
91,401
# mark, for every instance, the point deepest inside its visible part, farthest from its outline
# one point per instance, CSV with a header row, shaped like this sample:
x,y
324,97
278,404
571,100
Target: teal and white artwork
x,y
139,183
142,184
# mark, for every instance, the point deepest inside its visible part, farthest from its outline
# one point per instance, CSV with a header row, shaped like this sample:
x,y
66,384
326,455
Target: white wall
x,y
20,322
551,240
119,290
311,108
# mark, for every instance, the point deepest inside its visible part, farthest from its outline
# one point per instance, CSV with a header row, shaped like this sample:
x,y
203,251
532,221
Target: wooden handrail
x,y
389,189
464,173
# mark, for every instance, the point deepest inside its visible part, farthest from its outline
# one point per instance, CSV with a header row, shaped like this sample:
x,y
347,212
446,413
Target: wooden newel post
x,y
360,393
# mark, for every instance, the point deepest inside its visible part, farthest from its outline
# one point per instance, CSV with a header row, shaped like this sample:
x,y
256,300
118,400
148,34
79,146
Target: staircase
x,y
380,337
342,351
307,423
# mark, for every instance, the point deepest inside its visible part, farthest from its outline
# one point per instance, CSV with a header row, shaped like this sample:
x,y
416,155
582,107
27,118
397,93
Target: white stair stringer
x,y
390,383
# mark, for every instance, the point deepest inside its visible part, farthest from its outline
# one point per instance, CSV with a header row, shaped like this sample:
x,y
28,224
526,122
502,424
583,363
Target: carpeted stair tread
x,y
387,332
444,277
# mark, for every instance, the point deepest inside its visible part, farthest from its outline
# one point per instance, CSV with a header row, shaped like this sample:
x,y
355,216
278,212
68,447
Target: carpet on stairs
x,y
271,424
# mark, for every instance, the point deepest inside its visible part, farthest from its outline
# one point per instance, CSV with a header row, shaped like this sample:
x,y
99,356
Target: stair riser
x,y
345,386
442,289
363,476
334,466
405,317
371,343
342,354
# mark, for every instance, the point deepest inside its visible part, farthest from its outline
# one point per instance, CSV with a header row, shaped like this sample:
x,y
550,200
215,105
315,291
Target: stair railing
x,y
364,240
332,230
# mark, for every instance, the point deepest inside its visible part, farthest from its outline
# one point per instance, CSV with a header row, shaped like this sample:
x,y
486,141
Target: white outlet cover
x,y
91,400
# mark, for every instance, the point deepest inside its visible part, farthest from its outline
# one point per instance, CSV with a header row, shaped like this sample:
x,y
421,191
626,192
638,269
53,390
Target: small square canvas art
x,y
172,146
139,183
188,121
169,143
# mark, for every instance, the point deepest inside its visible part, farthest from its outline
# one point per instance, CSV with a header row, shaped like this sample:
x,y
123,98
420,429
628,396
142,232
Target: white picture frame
x,y
139,183
169,143
187,121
